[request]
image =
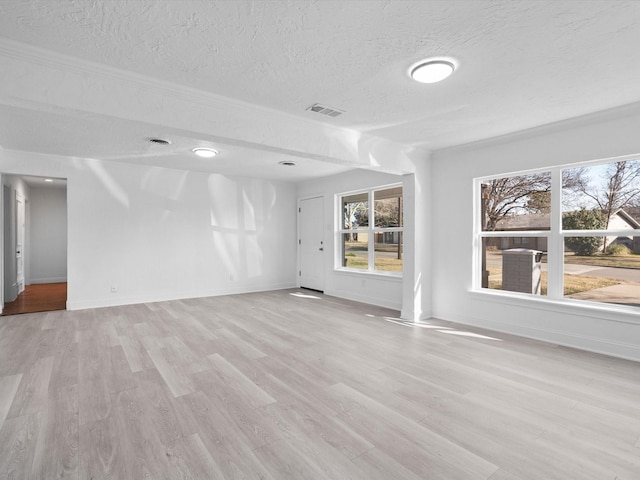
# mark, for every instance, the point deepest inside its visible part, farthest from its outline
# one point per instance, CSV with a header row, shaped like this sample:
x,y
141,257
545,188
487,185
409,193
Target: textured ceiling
x,y
97,136
522,63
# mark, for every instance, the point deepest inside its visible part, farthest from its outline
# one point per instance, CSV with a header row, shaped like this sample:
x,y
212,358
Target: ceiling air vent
x,y
331,112
160,141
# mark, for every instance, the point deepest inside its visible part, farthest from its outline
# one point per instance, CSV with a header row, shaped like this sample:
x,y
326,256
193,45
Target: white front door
x,y
311,243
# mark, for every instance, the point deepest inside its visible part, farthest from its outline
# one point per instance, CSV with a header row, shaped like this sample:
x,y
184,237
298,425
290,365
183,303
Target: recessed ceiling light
x,y
48,180
205,152
432,70
287,163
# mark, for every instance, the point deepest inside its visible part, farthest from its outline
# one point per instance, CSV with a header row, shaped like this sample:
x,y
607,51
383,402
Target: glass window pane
x,y
521,202
602,196
355,248
598,277
388,251
512,268
388,207
355,211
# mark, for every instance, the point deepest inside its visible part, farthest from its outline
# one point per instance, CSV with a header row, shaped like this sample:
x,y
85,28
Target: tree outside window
x,y
590,239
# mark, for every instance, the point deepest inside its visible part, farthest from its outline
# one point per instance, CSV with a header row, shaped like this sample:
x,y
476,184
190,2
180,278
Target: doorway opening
x,y
38,297
34,265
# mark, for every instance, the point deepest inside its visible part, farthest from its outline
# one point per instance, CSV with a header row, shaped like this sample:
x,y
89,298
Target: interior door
x,y
10,286
311,243
20,234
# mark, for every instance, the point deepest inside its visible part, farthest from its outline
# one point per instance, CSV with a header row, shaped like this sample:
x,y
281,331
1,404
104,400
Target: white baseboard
x,y
118,300
48,280
627,351
378,302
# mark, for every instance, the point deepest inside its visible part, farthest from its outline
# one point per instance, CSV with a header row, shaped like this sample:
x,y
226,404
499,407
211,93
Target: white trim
x,y
600,233
614,113
555,242
585,308
563,166
350,295
628,351
151,298
366,189
48,280
515,233
380,273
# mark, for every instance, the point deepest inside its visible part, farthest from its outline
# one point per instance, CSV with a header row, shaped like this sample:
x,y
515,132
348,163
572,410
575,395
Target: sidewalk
x,y
626,294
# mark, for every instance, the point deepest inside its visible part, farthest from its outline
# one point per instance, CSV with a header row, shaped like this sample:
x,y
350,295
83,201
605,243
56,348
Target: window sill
x,y
612,312
385,275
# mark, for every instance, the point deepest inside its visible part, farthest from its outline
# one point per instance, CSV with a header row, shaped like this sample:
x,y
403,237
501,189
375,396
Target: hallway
x,y
42,297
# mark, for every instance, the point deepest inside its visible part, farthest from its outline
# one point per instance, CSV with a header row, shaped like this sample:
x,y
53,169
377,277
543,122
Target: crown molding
x,y
587,119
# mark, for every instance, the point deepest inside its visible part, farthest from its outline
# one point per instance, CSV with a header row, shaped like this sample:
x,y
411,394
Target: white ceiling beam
x,y
39,79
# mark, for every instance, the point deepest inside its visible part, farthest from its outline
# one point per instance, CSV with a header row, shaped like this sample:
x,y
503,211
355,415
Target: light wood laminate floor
x,y
296,385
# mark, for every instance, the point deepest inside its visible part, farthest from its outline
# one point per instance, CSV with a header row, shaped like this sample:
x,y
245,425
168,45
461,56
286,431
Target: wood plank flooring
x,y
38,297
297,385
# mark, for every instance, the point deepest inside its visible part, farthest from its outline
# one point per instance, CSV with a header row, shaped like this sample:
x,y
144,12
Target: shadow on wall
x,y
164,231
368,151
106,179
240,212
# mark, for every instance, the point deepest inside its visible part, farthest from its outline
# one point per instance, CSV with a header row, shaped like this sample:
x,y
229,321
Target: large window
x,y
370,230
564,233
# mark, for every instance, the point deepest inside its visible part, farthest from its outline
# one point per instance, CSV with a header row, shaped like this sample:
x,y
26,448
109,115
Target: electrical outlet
x,y
114,288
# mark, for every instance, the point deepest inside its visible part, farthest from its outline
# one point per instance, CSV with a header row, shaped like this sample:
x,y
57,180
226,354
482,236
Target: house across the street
x,y
623,219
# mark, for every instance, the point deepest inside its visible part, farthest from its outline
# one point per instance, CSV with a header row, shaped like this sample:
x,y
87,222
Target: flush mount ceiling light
x,y
287,163
432,70
205,152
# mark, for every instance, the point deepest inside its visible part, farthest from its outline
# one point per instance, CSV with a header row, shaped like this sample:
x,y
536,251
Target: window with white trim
x,y
370,239
569,233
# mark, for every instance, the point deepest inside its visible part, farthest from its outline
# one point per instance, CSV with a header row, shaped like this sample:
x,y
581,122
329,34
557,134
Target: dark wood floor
x,y
298,385
40,297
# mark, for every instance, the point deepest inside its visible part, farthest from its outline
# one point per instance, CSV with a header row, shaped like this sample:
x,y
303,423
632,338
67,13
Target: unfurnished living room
x,y
320,239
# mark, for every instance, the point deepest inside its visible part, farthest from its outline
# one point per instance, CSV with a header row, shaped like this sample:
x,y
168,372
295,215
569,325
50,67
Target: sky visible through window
x,y
596,183
596,176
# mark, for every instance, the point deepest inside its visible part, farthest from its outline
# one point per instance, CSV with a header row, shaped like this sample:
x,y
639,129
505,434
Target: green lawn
x,y
356,259
384,264
603,260
572,283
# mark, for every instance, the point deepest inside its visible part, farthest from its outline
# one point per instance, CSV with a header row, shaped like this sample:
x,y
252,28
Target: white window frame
x,y
555,240
371,230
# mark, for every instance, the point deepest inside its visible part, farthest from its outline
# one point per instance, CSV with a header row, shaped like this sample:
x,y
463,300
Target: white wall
x,y
158,234
17,185
610,134
48,235
382,290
